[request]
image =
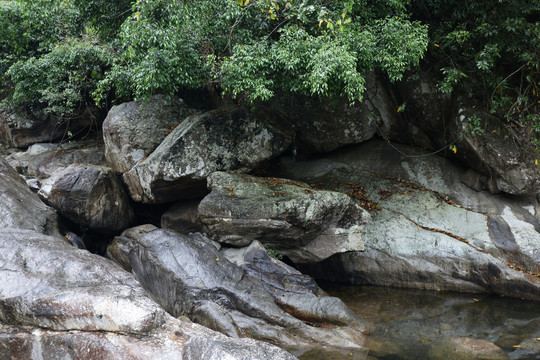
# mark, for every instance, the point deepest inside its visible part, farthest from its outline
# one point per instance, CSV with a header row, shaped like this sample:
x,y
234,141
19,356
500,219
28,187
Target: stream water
x,y
412,324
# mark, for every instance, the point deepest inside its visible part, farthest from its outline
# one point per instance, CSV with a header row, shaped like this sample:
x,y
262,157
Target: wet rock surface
x,y
57,301
468,349
219,140
306,224
188,276
296,293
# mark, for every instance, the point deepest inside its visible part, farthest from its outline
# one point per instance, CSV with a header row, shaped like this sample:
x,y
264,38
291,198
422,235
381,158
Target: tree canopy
x,y
58,56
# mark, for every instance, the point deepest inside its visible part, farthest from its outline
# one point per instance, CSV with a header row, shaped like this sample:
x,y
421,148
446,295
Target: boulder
x,y
23,130
133,130
489,145
58,302
188,276
292,218
91,196
323,125
497,153
22,209
293,291
430,233
219,140
42,160
119,249
467,349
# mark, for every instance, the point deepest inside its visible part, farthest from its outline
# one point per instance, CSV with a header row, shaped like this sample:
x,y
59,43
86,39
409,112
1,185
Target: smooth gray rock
x,y
119,249
420,237
89,195
188,276
50,284
427,170
20,207
58,302
219,140
133,130
203,347
40,161
305,224
293,291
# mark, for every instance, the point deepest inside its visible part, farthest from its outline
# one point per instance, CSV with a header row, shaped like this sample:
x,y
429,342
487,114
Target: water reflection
x,y
415,324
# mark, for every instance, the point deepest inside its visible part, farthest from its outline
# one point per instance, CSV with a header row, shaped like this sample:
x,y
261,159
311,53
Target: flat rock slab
x,y
219,140
419,238
188,276
42,160
59,302
292,218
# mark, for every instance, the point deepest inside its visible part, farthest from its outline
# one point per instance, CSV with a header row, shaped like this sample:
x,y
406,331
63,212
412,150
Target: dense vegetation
x,y
60,57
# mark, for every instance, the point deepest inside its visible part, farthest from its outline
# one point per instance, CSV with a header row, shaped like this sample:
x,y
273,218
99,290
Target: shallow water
x,y
412,324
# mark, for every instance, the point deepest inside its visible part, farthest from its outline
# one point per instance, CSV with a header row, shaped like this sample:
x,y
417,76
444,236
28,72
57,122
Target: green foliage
x,y
253,48
105,16
474,126
60,82
322,49
273,253
488,51
161,50
55,54
32,28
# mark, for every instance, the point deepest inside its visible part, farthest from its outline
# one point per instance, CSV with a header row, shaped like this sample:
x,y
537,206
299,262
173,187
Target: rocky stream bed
x,y
184,233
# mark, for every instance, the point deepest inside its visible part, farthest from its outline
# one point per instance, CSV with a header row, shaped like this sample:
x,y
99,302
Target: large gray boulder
x,y
20,208
188,276
325,125
219,140
133,130
433,233
89,195
58,302
290,217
